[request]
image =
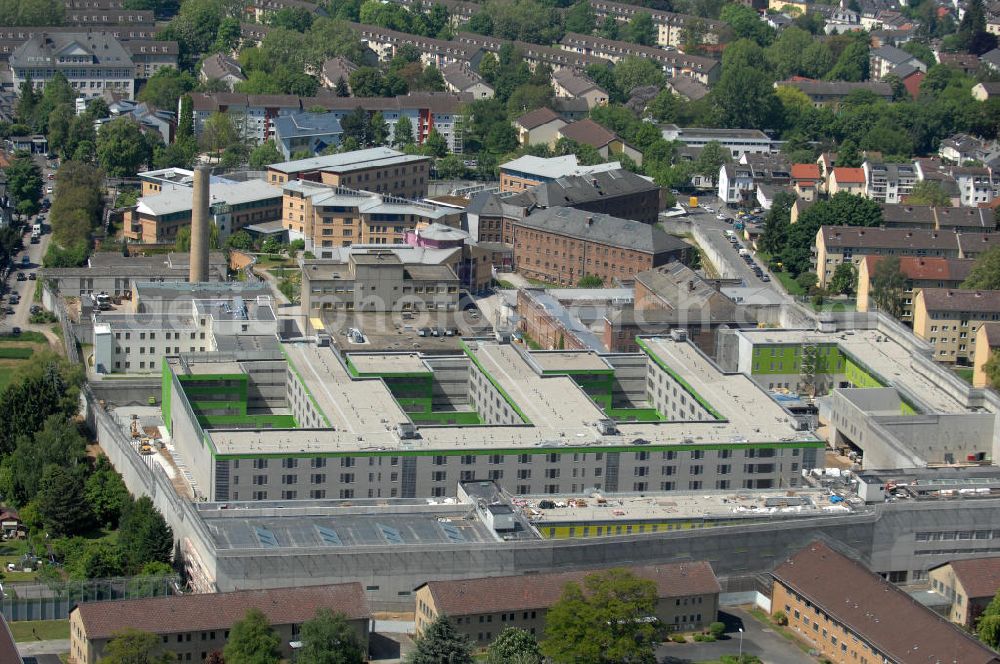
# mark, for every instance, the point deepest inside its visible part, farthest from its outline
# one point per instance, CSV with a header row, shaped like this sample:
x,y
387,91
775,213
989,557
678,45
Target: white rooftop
x,y
178,198
556,167
357,158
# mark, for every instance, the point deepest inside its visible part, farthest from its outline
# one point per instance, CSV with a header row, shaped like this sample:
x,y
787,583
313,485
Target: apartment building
x,y
884,59
671,29
539,127
975,184
221,67
380,279
379,170
987,343
252,115
806,180
158,217
736,183
674,63
92,62
920,273
889,183
687,599
13,37
193,626
574,84
969,585
839,244
311,133
560,245
852,616
328,216
151,55
948,319
460,78
849,180
737,141
90,18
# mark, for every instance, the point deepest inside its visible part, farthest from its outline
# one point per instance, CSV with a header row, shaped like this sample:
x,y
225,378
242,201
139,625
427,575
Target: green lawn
x,y
788,281
15,353
39,630
27,335
965,373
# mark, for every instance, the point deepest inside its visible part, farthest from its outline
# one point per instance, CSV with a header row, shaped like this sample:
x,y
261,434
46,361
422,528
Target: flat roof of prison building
x,y
570,360
880,353
388,363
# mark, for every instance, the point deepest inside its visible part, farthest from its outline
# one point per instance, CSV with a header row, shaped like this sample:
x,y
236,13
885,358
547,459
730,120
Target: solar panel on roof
x,y
265,537
451,532
329,536
390,534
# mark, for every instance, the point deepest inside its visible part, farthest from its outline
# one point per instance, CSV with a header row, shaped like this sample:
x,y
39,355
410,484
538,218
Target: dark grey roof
x,y
892,54
573,190
838,88
574,82
45,49
603,228
484,202
306,124
688,87
991,58
219,66
461,76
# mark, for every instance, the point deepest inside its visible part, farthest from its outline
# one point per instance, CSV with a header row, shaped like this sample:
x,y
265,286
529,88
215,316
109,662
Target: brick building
x,y
852,616
561,245
379,170
687,599
969,585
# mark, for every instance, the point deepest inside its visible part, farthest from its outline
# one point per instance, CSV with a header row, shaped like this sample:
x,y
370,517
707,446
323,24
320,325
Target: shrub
x,y
678,638
699,637
779,617
717,629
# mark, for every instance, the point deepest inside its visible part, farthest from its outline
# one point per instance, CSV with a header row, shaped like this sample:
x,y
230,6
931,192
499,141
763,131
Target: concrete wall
x,y
630,380
451,380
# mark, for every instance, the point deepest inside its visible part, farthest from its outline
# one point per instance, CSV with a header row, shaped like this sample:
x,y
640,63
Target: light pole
x,y
740,658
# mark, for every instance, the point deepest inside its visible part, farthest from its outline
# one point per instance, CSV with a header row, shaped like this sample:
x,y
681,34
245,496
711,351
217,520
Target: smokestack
x,y
199,226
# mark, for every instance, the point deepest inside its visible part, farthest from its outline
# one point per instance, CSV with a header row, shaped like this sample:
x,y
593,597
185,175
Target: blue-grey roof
x,y
306,124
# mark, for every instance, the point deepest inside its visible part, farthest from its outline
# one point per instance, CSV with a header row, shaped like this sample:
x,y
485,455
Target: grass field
x,y
39,630
16,351
965,373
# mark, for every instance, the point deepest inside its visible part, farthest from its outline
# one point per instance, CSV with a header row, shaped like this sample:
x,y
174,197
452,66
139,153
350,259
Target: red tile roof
x,y
891,621
184,613
979,576
849,175
537,118
918,268
540,591
805,172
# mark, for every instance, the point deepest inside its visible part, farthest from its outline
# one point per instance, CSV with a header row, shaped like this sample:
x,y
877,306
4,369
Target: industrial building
x,y
115,274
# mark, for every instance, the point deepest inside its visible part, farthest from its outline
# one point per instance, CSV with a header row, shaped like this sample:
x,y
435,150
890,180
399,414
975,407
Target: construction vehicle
x,y
146,447
134,428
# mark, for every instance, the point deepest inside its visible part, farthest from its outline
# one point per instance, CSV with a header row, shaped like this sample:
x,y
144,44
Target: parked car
x,y
765,278
15,331
35,309
21,276
32,276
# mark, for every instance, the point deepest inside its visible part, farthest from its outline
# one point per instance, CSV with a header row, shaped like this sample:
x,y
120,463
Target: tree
x,y
252,641
380,130
341,88
853,63
746,24
357,125
58,443
61,503
745,93
888,283
24,183
842,209
441,642
514,646
106,494
605,621
122,148
435,144
130,646
992,369
240,240
367,82
985,274
590,281
632,72
185,122
329,639
218,133
845,279
165,87
144,536
451,167
806,281
641,29
403,132
580,18
710,160
264,154
928,192
46,386
298,19
776,223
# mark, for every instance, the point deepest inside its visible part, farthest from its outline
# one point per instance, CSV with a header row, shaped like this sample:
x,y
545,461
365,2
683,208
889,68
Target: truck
x,y
101,301
36,229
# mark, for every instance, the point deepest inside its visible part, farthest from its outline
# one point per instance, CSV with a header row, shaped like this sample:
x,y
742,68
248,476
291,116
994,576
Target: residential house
x,y
335,70
967,63
606,142
576,85
527,171
460,78
737,141
672,29
986,90
851,180
673,63
885,58
806,180
960,148
991,59
798,207
687,598
736,184
11,526
889,183
848,614
969,585
151,55
919,272
926,217
150,119
826,162
194,625
840,244
833,93
975,184
987,343
687,88
305,132
539,127
221,67
948,319
974,245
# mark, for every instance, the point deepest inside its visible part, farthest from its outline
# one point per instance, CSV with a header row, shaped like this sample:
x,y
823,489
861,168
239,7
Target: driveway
x,y
758,639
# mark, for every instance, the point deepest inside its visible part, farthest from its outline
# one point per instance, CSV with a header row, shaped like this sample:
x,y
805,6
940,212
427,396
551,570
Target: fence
x,y
54,601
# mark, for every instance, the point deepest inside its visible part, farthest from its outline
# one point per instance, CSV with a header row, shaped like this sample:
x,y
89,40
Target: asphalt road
x,y
758,639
